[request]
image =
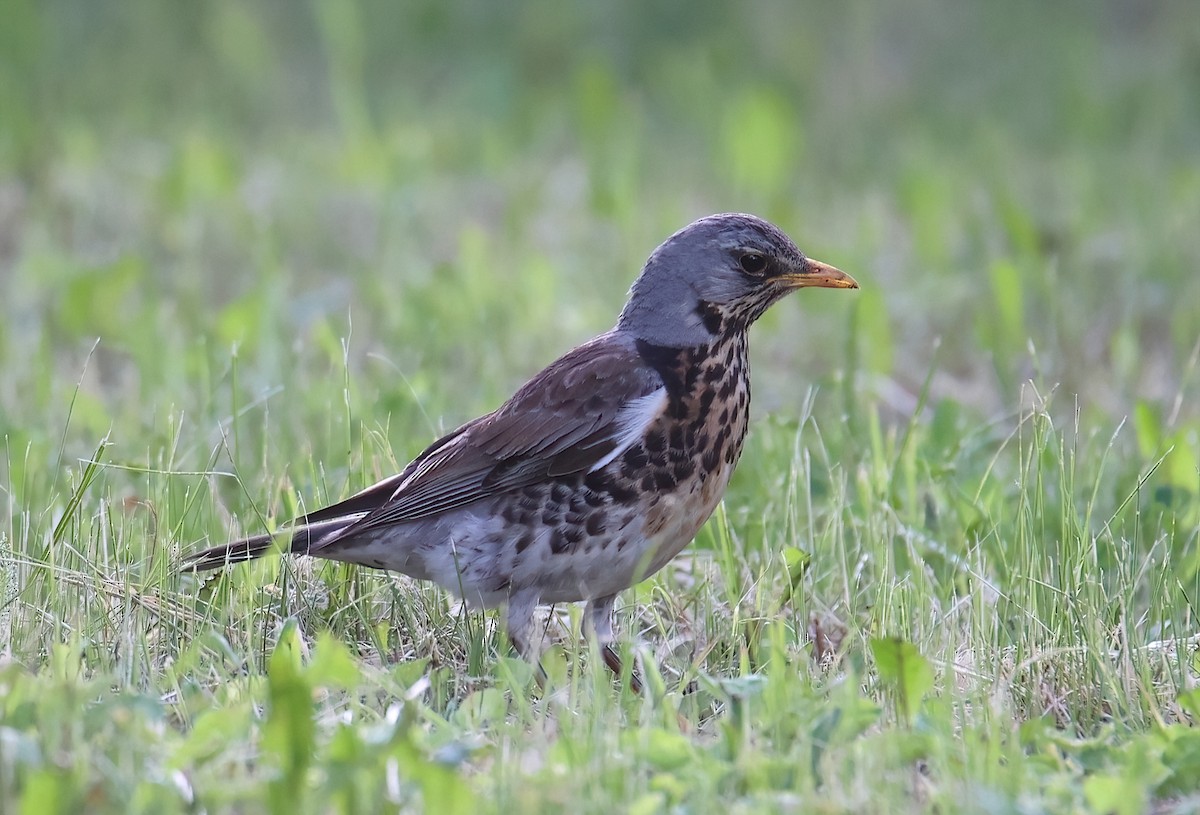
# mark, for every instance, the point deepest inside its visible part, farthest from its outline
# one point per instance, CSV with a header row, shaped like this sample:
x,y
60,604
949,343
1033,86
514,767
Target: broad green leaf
x,y
664,750
904,671
796,561
482,708
1117,795
289,732
211,734
648,803
743,687
332,664
443,790
1182,466
1181,755
48,792
1189,700
343,761
407,674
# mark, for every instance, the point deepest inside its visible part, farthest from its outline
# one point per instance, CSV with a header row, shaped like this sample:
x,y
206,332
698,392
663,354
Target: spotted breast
x,y
691,452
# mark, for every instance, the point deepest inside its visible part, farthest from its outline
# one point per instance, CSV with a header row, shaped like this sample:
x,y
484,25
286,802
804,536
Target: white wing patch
x,y
631,422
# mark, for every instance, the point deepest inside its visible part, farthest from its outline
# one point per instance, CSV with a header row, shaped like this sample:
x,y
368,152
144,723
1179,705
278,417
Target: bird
x,y
598,470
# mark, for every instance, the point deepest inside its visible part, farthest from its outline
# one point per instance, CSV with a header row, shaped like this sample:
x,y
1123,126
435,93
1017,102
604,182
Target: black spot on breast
x,y
665,361
621,491
595,523
691,377
550,517
634,458
575,518
711,317
677,436
683,471
523,510
715,372
654,441
664,481
559,493
710,459
719,445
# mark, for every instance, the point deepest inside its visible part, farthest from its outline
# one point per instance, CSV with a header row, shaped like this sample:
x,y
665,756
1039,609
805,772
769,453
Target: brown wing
x,y
582,408
566,419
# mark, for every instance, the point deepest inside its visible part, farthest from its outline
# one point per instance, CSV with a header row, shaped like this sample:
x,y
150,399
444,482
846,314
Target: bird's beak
x,y
820,275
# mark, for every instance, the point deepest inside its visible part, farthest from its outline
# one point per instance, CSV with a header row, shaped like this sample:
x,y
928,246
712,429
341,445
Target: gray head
x,y
715,276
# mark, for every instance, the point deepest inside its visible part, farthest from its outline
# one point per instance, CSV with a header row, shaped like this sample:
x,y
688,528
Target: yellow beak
x,y
820,275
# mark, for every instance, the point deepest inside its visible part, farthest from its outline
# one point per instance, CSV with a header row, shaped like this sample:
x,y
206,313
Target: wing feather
x,y
577,414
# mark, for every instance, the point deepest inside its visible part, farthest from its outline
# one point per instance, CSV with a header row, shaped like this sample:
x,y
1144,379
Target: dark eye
x,y
753,263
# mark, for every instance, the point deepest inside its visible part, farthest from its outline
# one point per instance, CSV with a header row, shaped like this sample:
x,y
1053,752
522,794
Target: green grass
x,y
254,257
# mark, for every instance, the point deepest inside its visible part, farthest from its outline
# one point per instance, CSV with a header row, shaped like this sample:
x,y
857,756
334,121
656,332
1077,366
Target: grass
x,y
253,258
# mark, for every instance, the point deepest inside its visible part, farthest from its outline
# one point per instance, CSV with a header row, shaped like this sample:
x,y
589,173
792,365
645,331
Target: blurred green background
x,y
296,236
329,216
473,185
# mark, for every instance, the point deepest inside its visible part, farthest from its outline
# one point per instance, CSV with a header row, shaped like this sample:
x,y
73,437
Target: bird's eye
x,y
753,263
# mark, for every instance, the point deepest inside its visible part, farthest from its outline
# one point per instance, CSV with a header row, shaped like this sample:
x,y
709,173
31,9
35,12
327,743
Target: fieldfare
x,y
599,469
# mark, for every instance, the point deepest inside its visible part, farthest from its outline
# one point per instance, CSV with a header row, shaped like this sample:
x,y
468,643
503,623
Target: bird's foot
x,y
613,660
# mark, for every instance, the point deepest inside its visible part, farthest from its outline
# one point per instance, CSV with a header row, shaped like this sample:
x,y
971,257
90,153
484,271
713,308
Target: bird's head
x,y
716,275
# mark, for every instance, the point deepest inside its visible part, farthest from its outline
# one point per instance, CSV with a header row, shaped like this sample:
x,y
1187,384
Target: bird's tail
x,y
303,538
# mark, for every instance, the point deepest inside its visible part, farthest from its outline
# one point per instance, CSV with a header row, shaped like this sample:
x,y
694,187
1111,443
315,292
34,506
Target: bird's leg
x,y
598,625
521,631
